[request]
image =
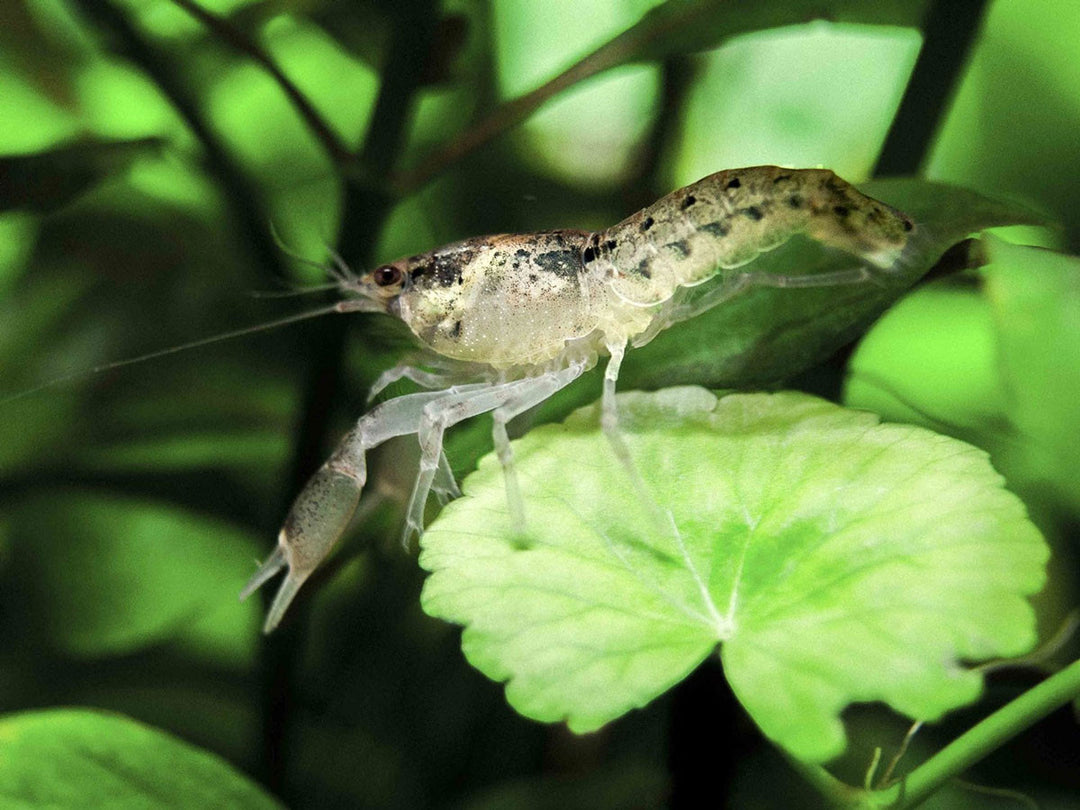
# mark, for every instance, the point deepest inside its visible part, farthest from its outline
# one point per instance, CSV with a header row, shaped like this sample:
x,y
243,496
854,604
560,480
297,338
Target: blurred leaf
x,y
1034,297
1012,121
787,97
362,27
674,28
930,360
97,574
32,41
836,559
46,180
993,369
685,26
767,334
76,758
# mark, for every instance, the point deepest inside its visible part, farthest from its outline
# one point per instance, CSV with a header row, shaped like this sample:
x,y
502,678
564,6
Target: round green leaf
x,y
835,558
74,758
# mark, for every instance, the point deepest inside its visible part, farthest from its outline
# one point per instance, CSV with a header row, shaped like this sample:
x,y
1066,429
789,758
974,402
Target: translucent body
x,y
518,317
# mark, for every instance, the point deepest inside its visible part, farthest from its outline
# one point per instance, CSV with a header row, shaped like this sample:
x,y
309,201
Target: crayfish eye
x,y
387,275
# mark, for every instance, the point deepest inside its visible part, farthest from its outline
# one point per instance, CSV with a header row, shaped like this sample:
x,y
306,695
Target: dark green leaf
x,y
39,41
99,574
686,26
46,180
674,28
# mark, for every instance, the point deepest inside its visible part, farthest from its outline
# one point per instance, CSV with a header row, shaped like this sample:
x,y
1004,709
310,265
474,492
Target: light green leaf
x,y
1034,298
669,29
74,758
834,558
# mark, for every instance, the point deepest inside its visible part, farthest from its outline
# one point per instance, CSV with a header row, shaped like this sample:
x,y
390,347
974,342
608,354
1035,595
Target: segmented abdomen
x,y
728,218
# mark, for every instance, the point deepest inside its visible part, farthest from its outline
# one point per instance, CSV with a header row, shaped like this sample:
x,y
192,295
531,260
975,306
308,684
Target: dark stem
x,y
610,54
644,41
706,735
242,196
240,41
647,182
949,30
365,208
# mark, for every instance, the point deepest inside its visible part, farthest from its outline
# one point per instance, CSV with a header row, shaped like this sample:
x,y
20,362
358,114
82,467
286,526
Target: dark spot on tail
x,y
734,182
909,225
680,247
753,212
647,223
690,200
533,277
841,210
795,201
718,229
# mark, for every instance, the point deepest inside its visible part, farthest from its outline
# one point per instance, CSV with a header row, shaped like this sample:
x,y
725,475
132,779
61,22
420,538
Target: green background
x,y
147,163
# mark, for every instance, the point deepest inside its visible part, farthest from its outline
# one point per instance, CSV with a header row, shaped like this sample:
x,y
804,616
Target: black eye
x,y
387,275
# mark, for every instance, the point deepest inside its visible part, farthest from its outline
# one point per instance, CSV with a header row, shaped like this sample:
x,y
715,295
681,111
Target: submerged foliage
x,y
154,157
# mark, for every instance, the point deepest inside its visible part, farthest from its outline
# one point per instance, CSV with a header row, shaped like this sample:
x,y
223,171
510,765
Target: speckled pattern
x,y
502,300
519,300
728,218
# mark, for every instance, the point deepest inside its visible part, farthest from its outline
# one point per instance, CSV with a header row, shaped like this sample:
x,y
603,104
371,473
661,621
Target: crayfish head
x,y
378,289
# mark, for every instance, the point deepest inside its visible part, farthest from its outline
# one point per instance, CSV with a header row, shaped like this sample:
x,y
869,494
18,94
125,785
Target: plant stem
x,y
365,208
242,195
950,761
959,755
676,27
949,31
238,40
990,734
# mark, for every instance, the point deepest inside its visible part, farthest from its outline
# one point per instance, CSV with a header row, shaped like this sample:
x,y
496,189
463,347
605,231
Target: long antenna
x,y
340,306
